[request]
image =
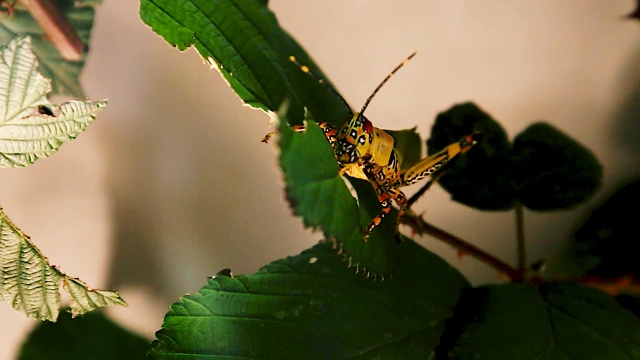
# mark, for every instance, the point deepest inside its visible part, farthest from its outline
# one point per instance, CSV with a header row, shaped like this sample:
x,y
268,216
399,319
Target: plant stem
x,y
422,227
522,256
56,28
10,7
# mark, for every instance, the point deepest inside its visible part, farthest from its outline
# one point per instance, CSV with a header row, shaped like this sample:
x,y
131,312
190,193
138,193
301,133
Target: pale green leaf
x,y
30,127
31,285
85,299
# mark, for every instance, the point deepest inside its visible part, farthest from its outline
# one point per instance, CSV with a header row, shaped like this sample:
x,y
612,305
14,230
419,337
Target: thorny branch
x,y
422,227
621,285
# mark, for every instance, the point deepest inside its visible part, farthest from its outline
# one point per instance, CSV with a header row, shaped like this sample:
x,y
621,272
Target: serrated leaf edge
x,y
47,306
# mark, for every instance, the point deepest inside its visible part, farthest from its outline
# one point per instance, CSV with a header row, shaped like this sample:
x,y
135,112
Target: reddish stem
x,y
56,28
422,227
10,7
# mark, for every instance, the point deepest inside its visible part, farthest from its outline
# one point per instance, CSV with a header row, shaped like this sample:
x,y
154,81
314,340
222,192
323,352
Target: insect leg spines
x,y
381,177
424,168
384,198
385,195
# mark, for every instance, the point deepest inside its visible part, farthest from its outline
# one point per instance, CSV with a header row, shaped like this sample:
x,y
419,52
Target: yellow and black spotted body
x,y
366,152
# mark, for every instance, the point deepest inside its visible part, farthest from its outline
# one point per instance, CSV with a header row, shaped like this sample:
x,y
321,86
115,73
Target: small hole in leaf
x,y
313,260
44,110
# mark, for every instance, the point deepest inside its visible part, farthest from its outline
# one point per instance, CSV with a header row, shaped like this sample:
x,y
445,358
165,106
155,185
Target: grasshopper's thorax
x,y
354,140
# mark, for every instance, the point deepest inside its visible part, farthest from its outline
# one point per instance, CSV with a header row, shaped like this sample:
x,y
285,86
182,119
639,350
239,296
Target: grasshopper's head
x,y
354,140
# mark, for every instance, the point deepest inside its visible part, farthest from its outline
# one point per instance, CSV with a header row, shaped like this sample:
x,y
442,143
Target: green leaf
x,y
91,336
64,74
30,127
314,189
605,245
311,306
466,178
31,285
629,302
321,197
554,171
554,321
252,52
244,40
543,169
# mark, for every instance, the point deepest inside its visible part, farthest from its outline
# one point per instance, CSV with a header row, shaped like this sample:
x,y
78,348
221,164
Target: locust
x,y
366,152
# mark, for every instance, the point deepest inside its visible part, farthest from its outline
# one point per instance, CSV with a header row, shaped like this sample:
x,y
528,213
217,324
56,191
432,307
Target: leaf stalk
x,y
56,28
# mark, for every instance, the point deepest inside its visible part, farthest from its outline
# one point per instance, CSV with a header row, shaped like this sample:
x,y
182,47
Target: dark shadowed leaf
x,y
311,306
552,170
90,336
629,302
605,246
553,321
480,178
544,169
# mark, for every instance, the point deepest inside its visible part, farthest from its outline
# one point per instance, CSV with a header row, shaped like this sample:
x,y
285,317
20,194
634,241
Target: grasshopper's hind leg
x,y
429,165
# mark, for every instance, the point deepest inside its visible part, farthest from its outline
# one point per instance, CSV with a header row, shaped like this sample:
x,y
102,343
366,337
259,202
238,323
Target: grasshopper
x,y
366,152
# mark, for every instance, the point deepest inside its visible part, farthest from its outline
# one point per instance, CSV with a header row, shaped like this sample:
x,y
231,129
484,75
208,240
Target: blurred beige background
x,y
171,183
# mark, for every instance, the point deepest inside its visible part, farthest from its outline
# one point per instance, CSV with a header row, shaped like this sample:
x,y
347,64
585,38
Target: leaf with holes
x,y
243,39
31,285
30,127
63,73
311,306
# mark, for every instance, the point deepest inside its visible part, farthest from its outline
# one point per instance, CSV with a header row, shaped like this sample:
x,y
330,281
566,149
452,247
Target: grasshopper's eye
x,y
367,127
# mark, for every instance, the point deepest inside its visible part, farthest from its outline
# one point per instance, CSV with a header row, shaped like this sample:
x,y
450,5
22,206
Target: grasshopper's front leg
x,y
385,195
384,198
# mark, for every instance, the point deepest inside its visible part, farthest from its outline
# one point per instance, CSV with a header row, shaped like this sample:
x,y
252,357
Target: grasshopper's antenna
x,y
305,69
366,103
